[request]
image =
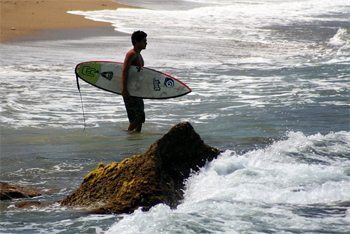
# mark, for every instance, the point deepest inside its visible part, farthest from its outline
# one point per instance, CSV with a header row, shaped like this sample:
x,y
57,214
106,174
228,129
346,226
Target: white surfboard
x,y
144,83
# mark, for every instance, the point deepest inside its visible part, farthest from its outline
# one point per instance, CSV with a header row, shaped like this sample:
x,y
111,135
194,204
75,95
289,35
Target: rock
x,y
156,176
9,192
28,204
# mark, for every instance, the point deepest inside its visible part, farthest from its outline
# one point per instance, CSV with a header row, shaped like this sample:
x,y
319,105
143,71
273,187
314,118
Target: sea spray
x,y
263,190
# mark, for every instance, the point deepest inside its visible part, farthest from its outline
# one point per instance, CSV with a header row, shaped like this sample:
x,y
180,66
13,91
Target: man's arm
x,y
125,73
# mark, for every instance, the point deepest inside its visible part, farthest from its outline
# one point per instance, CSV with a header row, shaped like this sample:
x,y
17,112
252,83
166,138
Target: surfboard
x,y
145,83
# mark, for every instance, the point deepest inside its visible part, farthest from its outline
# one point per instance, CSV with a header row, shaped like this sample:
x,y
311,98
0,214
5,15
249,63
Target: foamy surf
x,y
264,190
341,38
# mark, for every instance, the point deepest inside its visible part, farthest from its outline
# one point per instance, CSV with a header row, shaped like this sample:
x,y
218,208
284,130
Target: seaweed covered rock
x,y
156,176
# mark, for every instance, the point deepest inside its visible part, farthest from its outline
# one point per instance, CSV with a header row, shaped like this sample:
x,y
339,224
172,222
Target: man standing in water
x,y
134,105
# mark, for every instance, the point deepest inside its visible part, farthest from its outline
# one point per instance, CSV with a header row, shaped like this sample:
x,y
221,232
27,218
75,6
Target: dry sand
x,y
23,18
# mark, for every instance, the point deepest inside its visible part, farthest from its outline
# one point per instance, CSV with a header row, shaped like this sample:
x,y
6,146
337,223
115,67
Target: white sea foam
x,y
273,186
341,38
209,20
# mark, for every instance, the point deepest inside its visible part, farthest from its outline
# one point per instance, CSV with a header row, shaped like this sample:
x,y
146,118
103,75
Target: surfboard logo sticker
x,y
89,71
108,75
169,83
156,84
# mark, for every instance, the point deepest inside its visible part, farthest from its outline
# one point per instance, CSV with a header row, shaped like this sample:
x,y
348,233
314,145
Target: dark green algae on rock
x,y
144,180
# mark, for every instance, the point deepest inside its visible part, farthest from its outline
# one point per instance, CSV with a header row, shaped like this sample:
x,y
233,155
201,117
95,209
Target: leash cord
x,y
82,103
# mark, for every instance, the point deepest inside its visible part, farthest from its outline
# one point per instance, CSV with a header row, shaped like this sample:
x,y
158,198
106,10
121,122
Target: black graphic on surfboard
x,y
169,83
108,75
156,84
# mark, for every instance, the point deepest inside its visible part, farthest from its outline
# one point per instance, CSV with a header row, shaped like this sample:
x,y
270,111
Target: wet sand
x,y
48,19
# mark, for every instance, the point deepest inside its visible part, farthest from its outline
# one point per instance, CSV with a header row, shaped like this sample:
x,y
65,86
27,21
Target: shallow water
x,y
271,87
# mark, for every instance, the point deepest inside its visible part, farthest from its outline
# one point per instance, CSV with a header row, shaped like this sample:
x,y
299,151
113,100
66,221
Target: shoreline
x,y
66,34
23,20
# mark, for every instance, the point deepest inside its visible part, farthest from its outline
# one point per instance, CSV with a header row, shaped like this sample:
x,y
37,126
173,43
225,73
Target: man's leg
x,y
135,126
138,127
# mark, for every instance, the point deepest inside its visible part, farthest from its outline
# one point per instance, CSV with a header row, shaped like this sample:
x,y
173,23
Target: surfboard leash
x,y
81,100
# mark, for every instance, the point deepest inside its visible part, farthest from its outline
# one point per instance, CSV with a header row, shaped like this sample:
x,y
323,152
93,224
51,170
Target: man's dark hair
x,y
138,36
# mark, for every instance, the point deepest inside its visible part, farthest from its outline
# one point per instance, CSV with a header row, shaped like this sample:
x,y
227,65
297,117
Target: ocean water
x,y
271,88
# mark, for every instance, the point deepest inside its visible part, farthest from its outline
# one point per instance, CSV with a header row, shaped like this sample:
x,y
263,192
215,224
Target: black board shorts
x,y
135,109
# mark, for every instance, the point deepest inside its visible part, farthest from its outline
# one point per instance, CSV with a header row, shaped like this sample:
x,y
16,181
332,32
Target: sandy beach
x,y
34,18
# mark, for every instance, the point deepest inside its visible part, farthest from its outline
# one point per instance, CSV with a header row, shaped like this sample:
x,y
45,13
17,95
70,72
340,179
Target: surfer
x,y
134,105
